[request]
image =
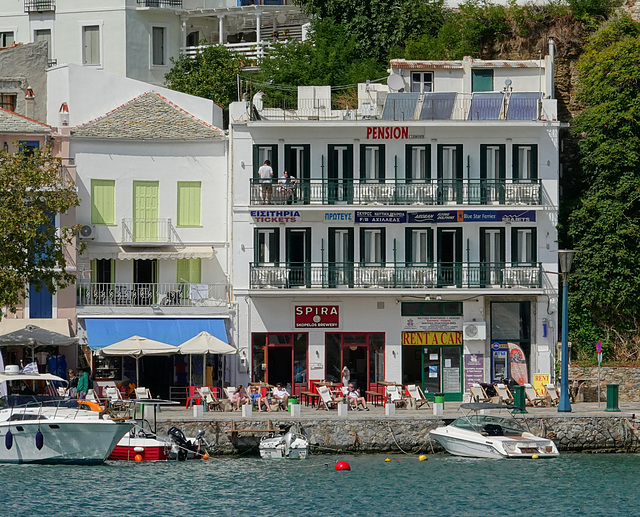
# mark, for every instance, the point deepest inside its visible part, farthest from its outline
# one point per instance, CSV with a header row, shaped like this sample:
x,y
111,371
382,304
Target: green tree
x,y
605,225
34,189
211,74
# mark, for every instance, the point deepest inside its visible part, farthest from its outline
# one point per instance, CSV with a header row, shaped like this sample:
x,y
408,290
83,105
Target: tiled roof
x,y
148,117
11,122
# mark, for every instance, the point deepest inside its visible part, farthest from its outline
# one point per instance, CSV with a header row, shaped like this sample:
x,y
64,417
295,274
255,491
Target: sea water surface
x,y
573,484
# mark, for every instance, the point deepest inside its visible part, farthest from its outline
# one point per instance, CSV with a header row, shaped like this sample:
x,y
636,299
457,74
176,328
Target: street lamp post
x,y
565,257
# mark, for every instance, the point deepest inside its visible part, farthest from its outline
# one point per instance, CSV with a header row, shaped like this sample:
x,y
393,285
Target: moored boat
x,y
481,433
291,445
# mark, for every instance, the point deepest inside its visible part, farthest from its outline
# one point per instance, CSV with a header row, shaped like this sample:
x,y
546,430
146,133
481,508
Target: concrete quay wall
x,y
396,434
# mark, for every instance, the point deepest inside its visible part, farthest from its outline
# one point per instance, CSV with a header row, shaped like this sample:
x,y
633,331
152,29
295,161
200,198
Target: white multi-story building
x,y
417,245
138,38
152,177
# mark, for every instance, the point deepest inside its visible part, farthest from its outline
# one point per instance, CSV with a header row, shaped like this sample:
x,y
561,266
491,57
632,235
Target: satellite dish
x,y
395,82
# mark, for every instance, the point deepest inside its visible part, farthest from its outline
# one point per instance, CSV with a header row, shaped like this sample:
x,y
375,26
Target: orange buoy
x,y
205,456
343,465
138,457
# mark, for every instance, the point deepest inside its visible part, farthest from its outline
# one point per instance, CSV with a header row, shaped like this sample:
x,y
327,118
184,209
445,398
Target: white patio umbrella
x,y
33,336
136,347
204,343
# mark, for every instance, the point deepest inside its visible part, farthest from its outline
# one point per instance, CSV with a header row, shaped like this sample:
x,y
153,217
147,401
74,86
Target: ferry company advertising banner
x,y
446,216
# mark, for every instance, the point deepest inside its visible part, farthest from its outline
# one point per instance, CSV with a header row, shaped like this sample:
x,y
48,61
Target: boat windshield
x,y
489,424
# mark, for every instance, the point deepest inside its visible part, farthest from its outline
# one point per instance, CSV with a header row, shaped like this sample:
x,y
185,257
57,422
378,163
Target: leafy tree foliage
x,y
211,74
605,226
33,250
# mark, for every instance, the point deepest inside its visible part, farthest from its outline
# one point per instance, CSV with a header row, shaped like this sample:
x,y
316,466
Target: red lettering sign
x,y
316,316
387,133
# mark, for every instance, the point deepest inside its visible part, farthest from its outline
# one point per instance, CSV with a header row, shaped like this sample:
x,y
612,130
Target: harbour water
x,y
576,484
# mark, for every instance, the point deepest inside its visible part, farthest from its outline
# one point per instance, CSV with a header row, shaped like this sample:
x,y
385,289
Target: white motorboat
x,y
484,432
291,445
48,429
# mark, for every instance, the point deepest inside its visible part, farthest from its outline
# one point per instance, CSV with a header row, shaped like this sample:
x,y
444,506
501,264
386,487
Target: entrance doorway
x,y
361,353
280,364
280,358
356,358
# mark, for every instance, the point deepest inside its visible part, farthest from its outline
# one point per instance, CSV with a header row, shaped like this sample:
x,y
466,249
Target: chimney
x,y
63,114
29,98
551,71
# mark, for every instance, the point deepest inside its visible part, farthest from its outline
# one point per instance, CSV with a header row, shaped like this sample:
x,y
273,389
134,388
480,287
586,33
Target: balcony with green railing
x,y
397,192
465,275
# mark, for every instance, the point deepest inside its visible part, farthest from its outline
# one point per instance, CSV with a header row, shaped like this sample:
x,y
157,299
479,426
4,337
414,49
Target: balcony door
x,y
340,174
145,211
341,257
299,256
145,280
492,256
492,173
450,172
297,161
449,257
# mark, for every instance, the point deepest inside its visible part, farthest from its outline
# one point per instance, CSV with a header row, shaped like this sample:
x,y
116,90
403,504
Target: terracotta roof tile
x,y
11,122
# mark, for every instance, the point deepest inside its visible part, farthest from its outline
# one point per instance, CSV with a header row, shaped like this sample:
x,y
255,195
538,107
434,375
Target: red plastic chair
x,y
192,394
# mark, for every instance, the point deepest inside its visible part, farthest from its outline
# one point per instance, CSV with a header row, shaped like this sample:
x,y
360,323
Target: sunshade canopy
x,y
32,335
137,346
205,343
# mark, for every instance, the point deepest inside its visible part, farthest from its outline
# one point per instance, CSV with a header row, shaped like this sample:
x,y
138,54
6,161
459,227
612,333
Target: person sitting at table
x,y
239,397
281,395
355,399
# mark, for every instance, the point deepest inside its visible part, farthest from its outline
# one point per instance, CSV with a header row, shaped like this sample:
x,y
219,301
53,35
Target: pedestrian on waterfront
x,y
73,384
281,395
355,398
239,397
83,385
346,375
265,173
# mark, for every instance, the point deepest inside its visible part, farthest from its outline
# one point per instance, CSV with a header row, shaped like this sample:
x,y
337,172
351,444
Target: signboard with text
x,y
432,338
316,316
433,323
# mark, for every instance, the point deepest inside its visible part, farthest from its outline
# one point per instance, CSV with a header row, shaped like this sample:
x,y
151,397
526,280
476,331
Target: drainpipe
x,y
551,72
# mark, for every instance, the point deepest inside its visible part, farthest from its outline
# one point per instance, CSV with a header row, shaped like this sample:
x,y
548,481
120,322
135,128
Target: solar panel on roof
x,y
486,106
437,106
523,106
400,106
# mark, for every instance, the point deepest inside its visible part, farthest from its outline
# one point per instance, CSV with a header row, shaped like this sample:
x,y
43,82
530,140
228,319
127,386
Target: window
x,y
189,204
372,245
492,161
6,38
158,56
193,39
103,271
421,82
103,201
371,162
188,271
267,245
91,45
419,245
449,162
481,80
265,152
43,35
525,162
418,162
523,246
8,101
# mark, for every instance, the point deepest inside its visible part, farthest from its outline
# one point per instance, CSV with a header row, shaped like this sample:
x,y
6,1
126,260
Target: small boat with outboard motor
x,y
488,430
291,444
49,429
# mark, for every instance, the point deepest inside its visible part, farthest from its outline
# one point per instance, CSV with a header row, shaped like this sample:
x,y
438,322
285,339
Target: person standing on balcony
x,y
266,175
288,185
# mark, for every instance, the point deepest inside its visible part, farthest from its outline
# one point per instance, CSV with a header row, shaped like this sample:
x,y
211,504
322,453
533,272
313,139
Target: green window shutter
x,y
408,246
188,270
94,270
103,201
189,203
408,162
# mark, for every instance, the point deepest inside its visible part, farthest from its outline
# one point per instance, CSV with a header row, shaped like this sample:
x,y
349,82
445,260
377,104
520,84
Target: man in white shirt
x,y
281,395
265,173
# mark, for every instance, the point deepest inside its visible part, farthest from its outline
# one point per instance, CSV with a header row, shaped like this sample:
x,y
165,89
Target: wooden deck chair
x,y
417,395
326,399
554,396
92,396
229,391
209,399
143,393
533,399
394,395
504,393
113,394
477,393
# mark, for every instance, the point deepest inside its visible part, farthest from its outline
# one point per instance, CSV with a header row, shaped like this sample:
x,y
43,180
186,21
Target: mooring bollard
x,y
612,398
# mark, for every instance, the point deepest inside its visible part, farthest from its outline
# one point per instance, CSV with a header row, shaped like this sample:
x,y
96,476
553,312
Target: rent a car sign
x,y
317,316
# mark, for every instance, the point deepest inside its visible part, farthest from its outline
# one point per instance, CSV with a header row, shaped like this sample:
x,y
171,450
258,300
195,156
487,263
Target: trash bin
x,y
439,399
612,398
292,400
519,401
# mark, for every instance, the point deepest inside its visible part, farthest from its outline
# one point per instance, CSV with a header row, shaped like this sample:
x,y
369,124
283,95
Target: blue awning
x,y
174,331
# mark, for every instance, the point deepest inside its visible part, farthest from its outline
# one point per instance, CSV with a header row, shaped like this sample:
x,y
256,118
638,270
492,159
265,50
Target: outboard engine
x,y
184,445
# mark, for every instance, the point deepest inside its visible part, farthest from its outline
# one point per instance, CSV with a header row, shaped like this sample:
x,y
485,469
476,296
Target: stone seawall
x,y
627,379
575,434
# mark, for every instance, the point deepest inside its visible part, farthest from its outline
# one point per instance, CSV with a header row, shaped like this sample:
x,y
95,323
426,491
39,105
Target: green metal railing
x,y
397,192
396,276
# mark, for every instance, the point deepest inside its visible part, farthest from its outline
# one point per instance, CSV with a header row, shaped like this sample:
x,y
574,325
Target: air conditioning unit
x,y
475,330
87,232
